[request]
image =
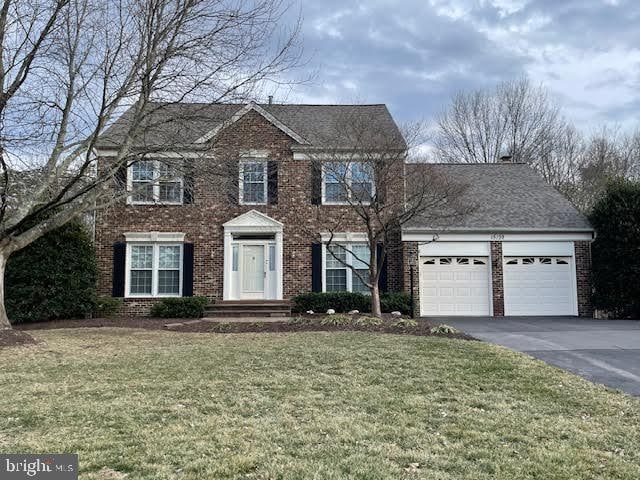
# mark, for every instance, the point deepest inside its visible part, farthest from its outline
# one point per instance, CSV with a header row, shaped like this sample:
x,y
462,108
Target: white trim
x,y
155,185
174,154
265,181
349,237
537,249
252,106
148,237
458,249
154,270
327,155
261,154
530,236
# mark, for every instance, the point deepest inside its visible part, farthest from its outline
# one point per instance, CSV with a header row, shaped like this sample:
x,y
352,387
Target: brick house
x,y
257,237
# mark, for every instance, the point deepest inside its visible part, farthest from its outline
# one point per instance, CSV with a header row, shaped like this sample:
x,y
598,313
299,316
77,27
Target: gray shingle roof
x,y
322,126
508,197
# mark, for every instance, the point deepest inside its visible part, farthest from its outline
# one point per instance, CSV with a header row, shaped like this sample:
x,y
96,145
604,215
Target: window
x,y
561,261
545,261
339,277
155,270
253,183
512,261
153,181
344,181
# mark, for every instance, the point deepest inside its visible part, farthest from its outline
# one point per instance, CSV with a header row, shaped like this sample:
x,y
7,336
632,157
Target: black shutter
x,y
119,256
233,191
316,183
272,183
316,267
382,280
188,182
187,270
120,178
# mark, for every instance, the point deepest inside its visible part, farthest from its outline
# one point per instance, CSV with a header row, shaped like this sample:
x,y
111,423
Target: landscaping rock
x,y
309,312
354,312
396,314
331,311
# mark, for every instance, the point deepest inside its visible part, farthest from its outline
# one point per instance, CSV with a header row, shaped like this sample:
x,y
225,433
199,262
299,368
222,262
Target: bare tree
x,y
365,175
68,68
480,126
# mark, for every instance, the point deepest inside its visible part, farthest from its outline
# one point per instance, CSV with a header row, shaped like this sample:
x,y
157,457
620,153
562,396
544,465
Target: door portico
x,y
253,267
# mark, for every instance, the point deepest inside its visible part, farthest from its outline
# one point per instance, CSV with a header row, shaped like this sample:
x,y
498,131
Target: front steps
x,y
248,308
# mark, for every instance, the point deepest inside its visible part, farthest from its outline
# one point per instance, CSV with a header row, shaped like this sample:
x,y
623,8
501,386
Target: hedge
x,y
181,307
346,301
52,278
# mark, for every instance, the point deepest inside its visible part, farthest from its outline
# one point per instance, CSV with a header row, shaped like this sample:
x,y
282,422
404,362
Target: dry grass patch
x,y
162,405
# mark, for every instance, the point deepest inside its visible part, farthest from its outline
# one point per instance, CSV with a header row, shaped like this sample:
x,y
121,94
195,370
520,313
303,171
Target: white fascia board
x,y
413,236
537,249
176,154
154,237
439,248
254,153
337,156
344,237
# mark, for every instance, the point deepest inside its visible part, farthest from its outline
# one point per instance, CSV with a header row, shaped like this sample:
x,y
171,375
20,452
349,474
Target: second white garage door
x,y
539,286
454,286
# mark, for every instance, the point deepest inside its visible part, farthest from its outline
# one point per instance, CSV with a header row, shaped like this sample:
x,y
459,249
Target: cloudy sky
x,y
413,54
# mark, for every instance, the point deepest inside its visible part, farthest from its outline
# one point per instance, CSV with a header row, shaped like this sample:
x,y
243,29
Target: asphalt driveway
x,y
603,351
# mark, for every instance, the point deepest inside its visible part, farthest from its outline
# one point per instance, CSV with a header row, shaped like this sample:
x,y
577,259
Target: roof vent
x,y
506,159
270,99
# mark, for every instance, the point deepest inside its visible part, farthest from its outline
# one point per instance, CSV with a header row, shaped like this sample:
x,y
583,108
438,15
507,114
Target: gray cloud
x,y
414,54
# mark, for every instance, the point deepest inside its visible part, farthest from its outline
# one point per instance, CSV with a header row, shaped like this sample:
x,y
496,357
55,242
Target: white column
x,y
279,265
226,274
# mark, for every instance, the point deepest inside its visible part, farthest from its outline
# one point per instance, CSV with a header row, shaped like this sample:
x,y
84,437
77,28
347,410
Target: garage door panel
x,y
538,286
454,286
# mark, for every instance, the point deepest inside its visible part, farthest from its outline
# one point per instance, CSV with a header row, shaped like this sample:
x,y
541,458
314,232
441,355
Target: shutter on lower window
x,y
272,183
316,183
382,280
119,257
188,182
316,267
187,270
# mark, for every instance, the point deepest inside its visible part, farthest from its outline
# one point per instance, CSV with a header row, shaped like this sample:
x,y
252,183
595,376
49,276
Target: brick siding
x,y
583,277
497,284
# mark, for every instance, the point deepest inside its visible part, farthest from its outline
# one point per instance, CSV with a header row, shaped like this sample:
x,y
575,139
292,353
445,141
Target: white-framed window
x,y
253,182
343,182
153,181
339,261
154,270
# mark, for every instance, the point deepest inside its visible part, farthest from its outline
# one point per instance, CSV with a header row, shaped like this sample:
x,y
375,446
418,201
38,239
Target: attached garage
x,y
539,278
455,279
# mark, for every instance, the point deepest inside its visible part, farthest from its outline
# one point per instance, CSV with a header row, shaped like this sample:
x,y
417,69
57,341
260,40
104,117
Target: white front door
x,y
454,286
253,271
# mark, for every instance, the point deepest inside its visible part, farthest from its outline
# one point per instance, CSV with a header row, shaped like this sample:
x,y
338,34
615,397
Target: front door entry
x,y
253,271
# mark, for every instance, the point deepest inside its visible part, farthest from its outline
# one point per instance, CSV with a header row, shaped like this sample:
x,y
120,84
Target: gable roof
x,y
183,125
507,197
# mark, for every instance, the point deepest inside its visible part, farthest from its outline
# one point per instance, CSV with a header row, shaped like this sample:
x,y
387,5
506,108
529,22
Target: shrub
x,y
299,321
183,307
443,329
107,307
336,320
365,321
616,263
405,323
396,301
339,301
54,277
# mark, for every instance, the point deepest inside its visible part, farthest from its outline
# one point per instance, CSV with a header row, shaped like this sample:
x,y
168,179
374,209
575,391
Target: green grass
x,y
162,405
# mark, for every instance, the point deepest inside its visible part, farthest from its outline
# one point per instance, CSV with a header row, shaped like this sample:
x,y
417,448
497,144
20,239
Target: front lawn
x,y
165,405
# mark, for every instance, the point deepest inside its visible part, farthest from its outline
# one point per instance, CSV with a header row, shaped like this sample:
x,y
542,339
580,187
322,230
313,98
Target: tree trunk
x,y
4,320
376,311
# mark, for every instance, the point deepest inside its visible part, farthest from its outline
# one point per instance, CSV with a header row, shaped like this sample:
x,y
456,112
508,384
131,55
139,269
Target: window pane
x,y
169,282
142,191
362,192
272,258
141,256
335,172
336,280
334,254
170,192
253,172
142,170
357,284
335,192
141,282
253,193
361,256
234,262
169,256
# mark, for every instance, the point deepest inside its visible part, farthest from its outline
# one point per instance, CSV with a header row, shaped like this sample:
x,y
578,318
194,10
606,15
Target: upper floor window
x,y
152,181
253,182
344,182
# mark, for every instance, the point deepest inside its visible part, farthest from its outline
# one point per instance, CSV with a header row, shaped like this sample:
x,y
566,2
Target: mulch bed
x,y
310,323
13,338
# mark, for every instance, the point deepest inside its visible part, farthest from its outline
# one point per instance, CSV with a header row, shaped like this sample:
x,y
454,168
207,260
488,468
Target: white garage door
x,y
454,286
539,286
